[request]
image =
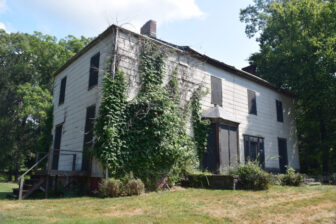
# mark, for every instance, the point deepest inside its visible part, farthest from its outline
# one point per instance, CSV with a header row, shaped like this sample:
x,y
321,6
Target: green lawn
x,y
5,188
278,205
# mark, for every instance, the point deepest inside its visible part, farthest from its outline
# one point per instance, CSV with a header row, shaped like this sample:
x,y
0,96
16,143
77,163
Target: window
x,y
62,91
216,91
279,110
283,158
89,125
94,69
252,102
254,149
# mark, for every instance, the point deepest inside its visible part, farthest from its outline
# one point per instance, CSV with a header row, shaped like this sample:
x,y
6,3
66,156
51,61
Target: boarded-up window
x,y
283,157
252,102
254,149
216,91
89,124
279,110
62,91
57,146
94,70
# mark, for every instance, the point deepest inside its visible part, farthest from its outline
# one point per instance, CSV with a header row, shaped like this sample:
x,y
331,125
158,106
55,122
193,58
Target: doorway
x,y
222,150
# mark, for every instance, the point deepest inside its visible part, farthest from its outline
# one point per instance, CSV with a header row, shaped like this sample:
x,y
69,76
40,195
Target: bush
x,y
134,187
275,179
291,178
252,176
333,178
111,188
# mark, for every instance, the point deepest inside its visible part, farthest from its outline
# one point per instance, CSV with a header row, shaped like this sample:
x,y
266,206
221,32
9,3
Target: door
x,y
57,146
283,157
228,147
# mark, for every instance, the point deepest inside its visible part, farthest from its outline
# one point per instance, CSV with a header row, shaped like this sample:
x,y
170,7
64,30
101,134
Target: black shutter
x,y
210,157
58,136
246,148
252,102
261,152
216,91
279,110
89,125
62,91
57,146
283,158
94,70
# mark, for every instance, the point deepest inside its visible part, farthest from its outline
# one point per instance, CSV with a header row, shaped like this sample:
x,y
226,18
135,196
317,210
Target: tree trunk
x,y
10,174
325,148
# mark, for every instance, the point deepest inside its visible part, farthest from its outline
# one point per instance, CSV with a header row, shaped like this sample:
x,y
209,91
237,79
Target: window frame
x,y
261,159
61,97
252,102
280,117
94,72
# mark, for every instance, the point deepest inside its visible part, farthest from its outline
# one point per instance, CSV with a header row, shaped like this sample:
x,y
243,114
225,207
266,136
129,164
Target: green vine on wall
x,y
110,124
200,127
146,136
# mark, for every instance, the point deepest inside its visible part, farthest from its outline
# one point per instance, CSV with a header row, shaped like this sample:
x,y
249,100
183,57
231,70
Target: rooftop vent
x,y
149,29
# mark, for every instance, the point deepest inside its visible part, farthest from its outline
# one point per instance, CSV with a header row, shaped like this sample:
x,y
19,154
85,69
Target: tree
x,y
27,64
297,52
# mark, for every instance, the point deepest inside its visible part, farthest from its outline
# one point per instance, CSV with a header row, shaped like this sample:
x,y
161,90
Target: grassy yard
x,y
277,205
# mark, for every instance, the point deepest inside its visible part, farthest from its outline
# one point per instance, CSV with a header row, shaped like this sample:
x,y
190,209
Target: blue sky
x,y
209,26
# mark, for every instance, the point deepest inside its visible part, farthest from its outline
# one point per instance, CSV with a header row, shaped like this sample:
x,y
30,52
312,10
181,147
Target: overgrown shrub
x,y
134,187
275,179
111,188
291,178
252,176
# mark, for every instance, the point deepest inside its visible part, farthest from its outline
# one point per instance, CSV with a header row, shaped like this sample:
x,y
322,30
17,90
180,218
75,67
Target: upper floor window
x,y
216,91
279,110
252,102
94,69
62,91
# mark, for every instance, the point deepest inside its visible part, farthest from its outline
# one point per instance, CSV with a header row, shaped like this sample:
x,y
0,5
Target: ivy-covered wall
x,y
147,135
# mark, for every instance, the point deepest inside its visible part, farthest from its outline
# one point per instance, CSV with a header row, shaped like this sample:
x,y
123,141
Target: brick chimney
x,y
149,29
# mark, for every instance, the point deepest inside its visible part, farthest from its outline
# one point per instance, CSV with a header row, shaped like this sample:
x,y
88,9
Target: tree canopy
x,y
297,41
27,64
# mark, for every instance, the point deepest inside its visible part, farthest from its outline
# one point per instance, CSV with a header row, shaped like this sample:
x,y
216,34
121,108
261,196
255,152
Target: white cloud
x,y
98,14
2,26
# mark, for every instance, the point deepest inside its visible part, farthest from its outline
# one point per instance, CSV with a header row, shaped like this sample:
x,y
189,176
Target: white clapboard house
x,y
251,118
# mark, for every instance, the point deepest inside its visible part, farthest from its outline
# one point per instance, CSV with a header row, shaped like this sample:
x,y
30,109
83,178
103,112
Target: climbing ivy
x,y
146,136
110,124
200,127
